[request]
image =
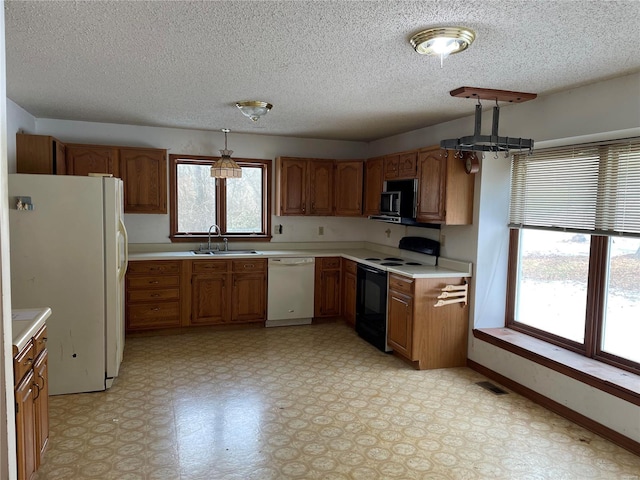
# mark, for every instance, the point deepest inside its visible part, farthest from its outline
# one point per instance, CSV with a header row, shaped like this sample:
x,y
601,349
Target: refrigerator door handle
x,y
123,230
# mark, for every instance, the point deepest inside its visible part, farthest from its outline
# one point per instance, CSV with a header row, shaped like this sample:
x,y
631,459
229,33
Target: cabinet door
x,y
320,187
209,303
25,428
85,159
407,165
41,404
349,188
432,166
374,177
292,186
144,174
349,310
327,287
391,166
249,297
400,323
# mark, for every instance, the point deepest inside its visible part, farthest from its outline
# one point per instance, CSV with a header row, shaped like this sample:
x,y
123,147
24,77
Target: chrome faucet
x,y
209,240
226,244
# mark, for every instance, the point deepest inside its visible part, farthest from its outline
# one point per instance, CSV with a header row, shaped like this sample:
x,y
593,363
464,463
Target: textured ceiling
x,y
332,69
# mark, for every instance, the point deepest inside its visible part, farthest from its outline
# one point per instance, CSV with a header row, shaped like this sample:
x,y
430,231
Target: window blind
x,y
588,188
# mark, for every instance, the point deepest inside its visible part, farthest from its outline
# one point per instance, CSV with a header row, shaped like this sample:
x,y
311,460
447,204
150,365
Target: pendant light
x,y
226,167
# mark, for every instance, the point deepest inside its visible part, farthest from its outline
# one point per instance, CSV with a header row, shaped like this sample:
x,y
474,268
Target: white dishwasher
x,y
290,291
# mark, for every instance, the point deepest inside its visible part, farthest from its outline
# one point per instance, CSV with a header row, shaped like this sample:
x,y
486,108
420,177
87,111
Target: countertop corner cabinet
x,y
426,336
142,170
31,383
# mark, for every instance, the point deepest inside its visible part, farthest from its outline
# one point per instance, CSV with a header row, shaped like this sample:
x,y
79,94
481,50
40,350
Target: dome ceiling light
x,y
226,167
488,143
254,109
442,41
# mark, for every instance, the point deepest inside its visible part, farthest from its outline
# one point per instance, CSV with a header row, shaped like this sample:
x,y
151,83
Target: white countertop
x,y
445,268
25,324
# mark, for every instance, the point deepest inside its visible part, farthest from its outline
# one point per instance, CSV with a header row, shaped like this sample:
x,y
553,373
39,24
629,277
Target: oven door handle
x,y
371,270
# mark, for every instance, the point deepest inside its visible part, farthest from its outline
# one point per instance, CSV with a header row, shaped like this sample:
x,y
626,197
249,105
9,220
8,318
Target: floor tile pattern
x,y
309,402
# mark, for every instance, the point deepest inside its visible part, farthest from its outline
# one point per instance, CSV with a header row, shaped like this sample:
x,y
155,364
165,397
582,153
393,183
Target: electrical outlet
x,y
320,230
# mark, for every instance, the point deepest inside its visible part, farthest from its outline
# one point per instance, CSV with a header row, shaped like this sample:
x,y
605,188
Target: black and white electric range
x,y
371,299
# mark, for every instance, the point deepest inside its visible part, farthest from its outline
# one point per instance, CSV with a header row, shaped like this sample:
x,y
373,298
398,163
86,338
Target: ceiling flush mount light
x,y
488,143
226,167
254,109
442,41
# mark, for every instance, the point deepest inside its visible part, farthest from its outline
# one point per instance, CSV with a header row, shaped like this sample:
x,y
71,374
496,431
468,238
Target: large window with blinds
x,y
574,263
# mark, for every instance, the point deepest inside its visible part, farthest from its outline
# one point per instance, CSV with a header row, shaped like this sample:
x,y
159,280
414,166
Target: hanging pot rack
x,y
494,142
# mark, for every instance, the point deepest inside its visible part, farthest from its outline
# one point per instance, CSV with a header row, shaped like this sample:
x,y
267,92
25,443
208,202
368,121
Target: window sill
x,y
231,237
615,381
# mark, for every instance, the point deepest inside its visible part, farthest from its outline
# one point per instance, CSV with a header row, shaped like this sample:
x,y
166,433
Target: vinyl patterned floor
x,y
309,402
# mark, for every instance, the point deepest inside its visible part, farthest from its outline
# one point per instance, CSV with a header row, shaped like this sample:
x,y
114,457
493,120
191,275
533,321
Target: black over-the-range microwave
x,y
398,201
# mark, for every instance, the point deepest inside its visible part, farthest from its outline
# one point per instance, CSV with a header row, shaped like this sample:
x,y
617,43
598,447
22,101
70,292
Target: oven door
x,y
371,306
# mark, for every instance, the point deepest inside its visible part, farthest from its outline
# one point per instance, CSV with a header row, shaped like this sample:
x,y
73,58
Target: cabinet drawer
x,y
249,265
350,267
329,263
153,315
153,295
158,267
401,284
23,362
210,266
40,341
153,281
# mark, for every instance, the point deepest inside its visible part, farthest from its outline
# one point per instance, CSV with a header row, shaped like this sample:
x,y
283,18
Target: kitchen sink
x,y
225,252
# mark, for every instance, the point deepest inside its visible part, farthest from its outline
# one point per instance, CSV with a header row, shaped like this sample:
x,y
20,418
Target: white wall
x,y
8,467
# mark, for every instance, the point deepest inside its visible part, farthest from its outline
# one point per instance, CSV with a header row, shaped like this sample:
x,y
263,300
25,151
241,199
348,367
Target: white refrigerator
x,y
69,252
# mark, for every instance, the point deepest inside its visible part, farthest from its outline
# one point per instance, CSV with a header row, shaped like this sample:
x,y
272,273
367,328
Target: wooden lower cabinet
x,y
426,336
327,287
228,291
31,392
349,284
153,297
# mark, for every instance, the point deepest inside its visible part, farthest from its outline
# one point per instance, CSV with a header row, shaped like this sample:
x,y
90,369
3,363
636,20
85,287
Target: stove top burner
x,y
390,264
412,263
373,259
393,259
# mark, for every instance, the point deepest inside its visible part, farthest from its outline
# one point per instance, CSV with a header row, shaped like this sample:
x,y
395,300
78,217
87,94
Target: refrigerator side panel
x,y
57,261
115,267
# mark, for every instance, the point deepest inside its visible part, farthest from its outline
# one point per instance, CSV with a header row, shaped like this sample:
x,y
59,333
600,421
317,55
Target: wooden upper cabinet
x,y
85,159
445,190
431,186
40,154
348,194
291,185
320,190
144,173
304,186
391,166
400,165
373,182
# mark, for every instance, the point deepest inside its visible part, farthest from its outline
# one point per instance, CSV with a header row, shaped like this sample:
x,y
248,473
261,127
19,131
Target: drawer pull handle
x,y
249,265
154,282
155,309
155,295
